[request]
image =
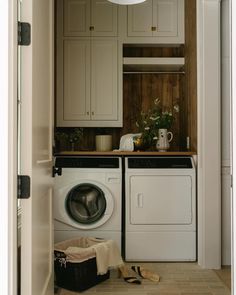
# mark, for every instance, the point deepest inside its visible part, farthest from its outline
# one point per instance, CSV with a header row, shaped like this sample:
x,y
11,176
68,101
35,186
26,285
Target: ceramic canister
x,y
103,143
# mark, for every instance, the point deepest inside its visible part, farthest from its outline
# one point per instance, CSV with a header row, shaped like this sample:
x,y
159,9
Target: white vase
x,y
163,140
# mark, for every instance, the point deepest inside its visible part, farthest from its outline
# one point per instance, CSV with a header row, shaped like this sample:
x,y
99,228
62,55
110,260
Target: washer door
x,y
86,205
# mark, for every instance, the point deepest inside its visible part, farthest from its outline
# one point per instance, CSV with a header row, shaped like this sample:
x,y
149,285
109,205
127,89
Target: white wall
x,y
226,181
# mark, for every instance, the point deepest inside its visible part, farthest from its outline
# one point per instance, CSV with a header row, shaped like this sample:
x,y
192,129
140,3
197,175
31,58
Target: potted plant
x,y
74,137
154,125
69,136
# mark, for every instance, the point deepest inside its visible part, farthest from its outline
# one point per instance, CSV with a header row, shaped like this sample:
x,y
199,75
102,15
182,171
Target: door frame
x,y
8,150
209,134
233,142
8,157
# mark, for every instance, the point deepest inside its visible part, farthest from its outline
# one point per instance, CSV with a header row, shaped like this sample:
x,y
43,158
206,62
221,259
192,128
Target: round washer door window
x,y
86,203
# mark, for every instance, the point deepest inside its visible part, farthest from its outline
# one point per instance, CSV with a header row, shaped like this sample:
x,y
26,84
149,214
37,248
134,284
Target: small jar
x,y
103,143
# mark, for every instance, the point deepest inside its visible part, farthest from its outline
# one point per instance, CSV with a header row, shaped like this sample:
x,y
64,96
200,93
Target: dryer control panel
x,y
160,163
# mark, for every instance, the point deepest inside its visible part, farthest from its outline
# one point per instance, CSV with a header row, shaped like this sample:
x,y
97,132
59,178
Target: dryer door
x,y
86,205
154,201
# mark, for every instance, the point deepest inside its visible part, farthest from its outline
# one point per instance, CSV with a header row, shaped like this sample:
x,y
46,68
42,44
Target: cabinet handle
x,y
87,113
92,113
154,28
139,200
91,28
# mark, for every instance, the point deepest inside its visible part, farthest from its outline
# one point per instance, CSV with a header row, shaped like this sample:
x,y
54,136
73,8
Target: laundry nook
x,y
126,137
130,140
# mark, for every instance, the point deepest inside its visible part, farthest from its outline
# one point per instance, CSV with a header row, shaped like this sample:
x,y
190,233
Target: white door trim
x,y
233,142
209,137
8,152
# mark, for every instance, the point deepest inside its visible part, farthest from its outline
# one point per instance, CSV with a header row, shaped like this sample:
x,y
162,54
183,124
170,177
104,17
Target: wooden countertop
x,y
117,153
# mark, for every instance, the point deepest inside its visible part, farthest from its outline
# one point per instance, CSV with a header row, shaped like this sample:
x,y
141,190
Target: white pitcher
x,y
163,140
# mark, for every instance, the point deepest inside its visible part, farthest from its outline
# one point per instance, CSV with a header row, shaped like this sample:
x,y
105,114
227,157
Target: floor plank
x,y
225,275
176,279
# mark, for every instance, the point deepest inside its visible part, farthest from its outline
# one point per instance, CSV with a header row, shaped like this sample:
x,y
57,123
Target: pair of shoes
x,y
145,273
128,278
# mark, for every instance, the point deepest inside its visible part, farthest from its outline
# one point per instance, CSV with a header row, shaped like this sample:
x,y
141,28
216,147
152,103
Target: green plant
x,y
75,135
144,125
155,118
61,136
72,135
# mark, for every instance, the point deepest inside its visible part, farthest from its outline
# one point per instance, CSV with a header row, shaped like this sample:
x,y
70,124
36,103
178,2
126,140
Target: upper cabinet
x,y
140,20
90,96
104,80
75,101
89,64
160,21
85,18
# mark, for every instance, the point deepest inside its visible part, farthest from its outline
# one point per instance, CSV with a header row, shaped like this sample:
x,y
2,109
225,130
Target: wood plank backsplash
x,y
191,73
139,92
153,51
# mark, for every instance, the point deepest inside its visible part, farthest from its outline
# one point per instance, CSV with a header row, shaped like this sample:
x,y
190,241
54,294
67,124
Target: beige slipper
x,y
145,273
127,277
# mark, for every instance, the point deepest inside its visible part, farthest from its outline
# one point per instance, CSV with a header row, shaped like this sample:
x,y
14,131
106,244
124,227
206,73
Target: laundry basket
x,y
77,271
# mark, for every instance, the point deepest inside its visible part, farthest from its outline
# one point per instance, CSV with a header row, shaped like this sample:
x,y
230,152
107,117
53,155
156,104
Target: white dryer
x,y
87,198
160,209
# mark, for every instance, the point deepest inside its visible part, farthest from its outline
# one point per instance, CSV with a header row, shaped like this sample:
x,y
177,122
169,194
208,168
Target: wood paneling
x,y
87,142
117,153
140,90
153,51
191,72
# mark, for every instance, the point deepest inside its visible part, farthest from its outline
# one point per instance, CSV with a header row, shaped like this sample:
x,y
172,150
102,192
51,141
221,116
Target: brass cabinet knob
x,y
91,28
154,28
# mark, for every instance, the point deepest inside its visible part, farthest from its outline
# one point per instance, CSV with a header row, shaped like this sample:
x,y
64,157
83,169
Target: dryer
x,y
87,198
160,209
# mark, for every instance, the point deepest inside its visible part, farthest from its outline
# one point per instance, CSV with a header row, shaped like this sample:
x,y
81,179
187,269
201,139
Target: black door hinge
x,y
56,170
24,34
23,187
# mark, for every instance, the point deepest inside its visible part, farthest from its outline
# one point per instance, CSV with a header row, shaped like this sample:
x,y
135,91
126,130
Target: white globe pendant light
x,y
126,2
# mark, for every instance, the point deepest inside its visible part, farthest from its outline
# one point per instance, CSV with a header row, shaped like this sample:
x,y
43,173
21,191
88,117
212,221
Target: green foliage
x,y
73,135
155,118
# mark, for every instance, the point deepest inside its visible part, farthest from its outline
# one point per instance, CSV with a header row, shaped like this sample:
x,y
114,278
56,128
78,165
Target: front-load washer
x,y
87,198
160,209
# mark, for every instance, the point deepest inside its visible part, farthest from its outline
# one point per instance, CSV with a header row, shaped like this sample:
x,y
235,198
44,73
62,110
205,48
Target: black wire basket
x,y
76,276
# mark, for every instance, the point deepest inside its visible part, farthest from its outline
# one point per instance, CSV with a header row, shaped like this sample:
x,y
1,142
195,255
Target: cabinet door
x,y
76,17
76,98
140,19
165,18
104,96
103,18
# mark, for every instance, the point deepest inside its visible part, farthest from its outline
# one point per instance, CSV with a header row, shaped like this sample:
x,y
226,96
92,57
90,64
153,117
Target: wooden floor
x,y
176,279
225,275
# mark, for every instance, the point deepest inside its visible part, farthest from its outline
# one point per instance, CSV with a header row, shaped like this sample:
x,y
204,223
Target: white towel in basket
x,y
107,256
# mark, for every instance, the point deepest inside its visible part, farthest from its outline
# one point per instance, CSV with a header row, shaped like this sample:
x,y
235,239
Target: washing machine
x,y
160,209
87,198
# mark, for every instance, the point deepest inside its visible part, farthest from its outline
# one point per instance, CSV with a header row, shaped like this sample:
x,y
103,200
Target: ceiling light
x,y
126,2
